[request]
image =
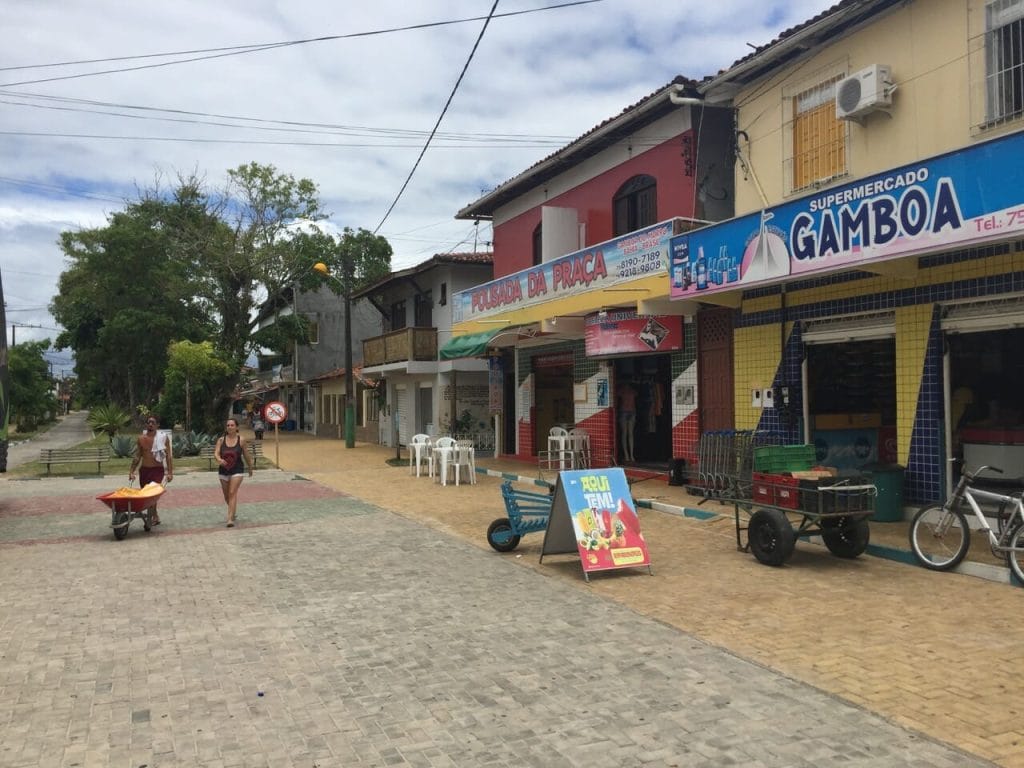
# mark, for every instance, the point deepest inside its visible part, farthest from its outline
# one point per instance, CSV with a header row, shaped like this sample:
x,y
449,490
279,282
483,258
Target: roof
x,y
794,42
597,139
438,259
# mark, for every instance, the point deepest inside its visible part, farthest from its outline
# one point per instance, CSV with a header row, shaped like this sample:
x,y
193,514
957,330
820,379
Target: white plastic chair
x,y
558,443
465,456
420,450
444,453
579,444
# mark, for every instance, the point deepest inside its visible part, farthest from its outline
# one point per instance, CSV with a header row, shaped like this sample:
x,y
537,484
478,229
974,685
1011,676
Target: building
x,y
877,238
418,392
306,377
579,306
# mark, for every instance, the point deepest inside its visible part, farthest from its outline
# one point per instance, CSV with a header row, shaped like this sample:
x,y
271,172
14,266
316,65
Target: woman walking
x,y
232,454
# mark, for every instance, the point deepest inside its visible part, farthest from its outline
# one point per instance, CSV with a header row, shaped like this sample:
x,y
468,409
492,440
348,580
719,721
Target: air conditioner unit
x,y
862,92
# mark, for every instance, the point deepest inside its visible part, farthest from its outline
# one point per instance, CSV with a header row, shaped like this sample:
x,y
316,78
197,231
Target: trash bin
x,y
289,425
888,479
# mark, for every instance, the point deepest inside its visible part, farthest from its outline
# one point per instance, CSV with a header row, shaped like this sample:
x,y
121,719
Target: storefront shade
x,y
470,345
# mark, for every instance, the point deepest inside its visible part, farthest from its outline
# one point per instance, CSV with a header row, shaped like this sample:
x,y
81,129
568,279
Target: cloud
x,y
351,114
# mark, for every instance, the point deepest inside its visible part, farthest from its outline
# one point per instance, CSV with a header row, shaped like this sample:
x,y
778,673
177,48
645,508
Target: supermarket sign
x,y
637,255
954,201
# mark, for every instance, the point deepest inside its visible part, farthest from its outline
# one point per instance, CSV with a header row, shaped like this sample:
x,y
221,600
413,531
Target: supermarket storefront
x,y
880,319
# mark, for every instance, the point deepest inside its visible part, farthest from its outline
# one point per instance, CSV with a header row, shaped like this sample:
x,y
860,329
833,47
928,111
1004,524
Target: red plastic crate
x,y
777,490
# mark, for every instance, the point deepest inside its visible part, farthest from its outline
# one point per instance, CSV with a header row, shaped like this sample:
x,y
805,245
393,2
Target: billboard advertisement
x,y
625,332
953,201
637,255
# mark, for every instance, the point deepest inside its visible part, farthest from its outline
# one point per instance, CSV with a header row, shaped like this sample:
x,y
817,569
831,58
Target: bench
x,y
50,456
256,446
528,511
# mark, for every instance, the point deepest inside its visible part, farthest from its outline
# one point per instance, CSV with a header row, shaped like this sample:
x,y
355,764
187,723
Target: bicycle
x,y
940,536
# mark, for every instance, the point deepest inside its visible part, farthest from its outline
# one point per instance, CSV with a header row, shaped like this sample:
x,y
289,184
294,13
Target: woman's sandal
x,y
231,523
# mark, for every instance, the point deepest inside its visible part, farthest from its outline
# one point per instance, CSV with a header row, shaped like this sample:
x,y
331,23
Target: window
x,y
538,246
423,307
818,136
1004,59
635,205
314,328
397,315
444,294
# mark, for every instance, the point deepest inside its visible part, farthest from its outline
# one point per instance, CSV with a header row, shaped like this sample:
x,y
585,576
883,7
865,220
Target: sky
x,y
100,99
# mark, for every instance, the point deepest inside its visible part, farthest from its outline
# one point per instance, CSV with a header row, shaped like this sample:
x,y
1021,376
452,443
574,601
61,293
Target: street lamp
x,y
350,407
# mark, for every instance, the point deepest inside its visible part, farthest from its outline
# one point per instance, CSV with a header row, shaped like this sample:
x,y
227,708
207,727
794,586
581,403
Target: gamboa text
x,y
875,221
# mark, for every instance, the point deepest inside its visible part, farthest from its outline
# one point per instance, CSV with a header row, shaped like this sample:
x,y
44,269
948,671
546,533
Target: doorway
x,y
650,377
553,403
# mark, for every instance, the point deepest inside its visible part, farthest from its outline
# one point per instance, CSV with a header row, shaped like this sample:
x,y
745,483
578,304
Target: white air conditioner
x,y
865,91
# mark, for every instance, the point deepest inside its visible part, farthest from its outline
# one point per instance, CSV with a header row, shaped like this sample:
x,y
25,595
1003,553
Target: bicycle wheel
x,y
939,538
1016,557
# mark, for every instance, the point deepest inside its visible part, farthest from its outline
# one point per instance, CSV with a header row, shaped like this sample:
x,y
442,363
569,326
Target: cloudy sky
x,y
98,98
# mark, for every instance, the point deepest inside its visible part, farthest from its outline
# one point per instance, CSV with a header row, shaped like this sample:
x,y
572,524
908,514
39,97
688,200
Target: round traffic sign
x,y
275,412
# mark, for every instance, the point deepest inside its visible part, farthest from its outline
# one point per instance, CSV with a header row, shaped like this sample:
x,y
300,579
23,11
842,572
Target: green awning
x,y
470,345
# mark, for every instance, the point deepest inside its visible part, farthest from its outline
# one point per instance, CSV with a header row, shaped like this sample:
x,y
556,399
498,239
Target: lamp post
x,y
350,408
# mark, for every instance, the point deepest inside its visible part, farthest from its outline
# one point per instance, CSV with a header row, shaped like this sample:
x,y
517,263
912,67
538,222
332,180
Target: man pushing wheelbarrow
x,y
152,456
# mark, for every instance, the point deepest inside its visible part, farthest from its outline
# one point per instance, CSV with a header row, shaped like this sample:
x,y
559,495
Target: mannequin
x,y
627,419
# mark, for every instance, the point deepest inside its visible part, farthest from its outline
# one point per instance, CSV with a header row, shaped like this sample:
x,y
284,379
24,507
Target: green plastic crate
x,y
783,458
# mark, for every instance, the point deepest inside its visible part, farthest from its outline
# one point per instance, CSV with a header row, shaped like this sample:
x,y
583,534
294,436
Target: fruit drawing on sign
x,y
609,538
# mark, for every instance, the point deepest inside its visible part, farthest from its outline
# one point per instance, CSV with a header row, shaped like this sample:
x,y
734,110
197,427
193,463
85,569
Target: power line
x,y
261,142
217,53
440,117
270,125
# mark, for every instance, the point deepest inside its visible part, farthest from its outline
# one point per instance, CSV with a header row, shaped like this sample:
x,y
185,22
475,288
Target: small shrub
x,y
122,445
108,419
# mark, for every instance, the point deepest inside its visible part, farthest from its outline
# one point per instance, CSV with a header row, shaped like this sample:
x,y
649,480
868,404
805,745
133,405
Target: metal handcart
x,y
781,497
778,511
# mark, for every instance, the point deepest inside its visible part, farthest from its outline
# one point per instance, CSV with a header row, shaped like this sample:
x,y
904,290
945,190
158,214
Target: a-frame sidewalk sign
x,y
593,514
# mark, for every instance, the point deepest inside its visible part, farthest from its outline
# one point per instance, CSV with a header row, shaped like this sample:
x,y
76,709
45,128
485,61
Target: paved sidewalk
x,y
934,652
378,641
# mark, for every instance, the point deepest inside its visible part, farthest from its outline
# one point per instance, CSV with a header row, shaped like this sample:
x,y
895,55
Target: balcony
x,y
405,345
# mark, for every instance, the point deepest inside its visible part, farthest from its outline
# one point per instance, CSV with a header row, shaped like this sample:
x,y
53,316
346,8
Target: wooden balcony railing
x,y
400,346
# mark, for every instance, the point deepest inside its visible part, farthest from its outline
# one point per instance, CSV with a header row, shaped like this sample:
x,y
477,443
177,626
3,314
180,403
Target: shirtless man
x,y
153,458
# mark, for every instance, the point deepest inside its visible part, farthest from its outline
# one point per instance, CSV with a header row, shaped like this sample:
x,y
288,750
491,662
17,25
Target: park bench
x,y
50,456
206,452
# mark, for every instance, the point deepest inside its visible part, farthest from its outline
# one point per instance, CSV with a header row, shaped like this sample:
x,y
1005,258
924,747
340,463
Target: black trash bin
x,y
678,476
888,479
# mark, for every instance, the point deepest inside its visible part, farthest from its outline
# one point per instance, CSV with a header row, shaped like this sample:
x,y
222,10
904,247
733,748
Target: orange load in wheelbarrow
x,y
129,503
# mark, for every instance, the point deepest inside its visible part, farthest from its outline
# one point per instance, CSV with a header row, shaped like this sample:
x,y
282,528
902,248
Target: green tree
x,y
124,298
32,400
194,374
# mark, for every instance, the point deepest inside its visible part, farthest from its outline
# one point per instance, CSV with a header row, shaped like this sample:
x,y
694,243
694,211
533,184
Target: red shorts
x,y
150,475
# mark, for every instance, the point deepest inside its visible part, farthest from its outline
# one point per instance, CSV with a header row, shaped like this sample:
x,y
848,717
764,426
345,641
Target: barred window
x,y
1004,59
818,136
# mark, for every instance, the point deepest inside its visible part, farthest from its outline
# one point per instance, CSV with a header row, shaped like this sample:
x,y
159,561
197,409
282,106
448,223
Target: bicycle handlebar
x,y
973,475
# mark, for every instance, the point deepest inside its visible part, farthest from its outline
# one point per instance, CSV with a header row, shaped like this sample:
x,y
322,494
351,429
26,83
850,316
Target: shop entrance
x,y
851,397
650,377
553,403
986,418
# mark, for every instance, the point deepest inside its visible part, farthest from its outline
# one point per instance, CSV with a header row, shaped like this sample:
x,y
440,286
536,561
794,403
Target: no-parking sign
x,y
275,412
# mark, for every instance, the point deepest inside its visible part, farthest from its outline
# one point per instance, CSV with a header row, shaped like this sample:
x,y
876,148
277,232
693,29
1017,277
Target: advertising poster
x,y
956,200
593,514
626,332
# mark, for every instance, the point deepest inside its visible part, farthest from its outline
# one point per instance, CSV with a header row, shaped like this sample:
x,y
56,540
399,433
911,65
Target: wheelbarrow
x,y
127,504
527,512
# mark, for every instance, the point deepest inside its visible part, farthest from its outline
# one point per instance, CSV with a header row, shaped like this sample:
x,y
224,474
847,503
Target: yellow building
x,y
874,263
